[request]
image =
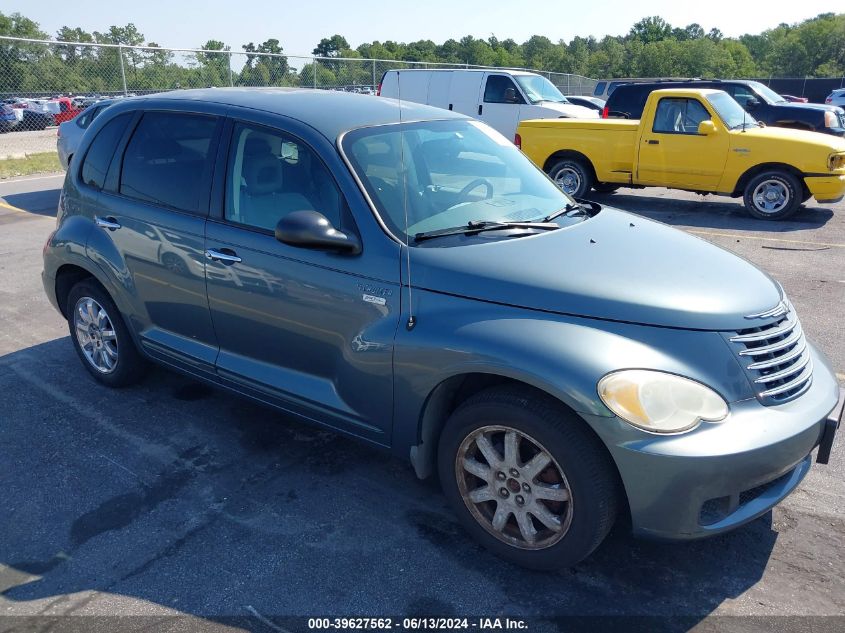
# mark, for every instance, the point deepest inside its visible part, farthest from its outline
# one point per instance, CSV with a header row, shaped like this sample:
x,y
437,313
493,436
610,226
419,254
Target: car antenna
x,y
412,321
743,118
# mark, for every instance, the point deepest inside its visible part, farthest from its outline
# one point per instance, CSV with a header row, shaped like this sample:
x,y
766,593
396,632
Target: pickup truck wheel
x,y
100,337
772,195
605,187
573,176
526,479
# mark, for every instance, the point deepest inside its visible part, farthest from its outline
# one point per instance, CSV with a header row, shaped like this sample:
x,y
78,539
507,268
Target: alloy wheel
x,y
95,335
513,487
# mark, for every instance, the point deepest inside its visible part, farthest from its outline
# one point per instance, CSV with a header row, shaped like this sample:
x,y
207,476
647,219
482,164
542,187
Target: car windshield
x,y
731,113
769,95
538,89
454,173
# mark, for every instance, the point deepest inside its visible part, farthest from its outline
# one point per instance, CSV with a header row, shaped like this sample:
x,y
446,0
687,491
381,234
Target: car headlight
x,y
659,402
831,119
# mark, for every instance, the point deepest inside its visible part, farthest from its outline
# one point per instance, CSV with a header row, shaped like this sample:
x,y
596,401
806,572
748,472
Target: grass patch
x,y
44,162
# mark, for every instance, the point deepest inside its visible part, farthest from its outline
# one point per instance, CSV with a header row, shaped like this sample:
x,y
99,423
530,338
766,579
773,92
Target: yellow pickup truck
x,y
697,140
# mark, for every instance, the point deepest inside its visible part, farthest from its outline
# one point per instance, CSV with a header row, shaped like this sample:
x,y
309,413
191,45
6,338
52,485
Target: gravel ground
x,y
19,144
177,502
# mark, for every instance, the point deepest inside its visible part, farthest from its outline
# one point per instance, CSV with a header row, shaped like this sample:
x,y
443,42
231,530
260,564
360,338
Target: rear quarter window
x,y
100,152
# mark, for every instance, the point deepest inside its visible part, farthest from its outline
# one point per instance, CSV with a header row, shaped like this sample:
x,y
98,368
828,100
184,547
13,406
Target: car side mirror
x,y
311,229
510,95
706,128
751,103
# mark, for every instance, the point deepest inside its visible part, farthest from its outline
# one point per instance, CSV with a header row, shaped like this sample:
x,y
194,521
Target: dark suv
x,y
628,101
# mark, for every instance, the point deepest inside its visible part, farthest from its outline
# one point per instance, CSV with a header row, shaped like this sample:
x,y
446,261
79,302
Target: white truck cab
x,y
499,98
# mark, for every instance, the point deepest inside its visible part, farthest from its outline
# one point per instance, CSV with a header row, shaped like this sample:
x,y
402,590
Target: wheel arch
x,y
449,394
67,276
751,172
569,153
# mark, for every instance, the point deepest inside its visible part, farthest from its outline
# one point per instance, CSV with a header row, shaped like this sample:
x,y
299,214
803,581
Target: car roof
x,y
329,112
504,71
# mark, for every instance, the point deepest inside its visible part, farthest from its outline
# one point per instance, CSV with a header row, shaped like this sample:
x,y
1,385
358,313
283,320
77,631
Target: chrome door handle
x,y
107,223
220,256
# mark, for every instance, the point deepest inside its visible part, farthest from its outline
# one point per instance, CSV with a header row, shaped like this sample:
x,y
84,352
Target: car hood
x,y
613,266
825,143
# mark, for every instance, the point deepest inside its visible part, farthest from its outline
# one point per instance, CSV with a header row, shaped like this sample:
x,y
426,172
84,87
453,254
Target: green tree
x,y
651,29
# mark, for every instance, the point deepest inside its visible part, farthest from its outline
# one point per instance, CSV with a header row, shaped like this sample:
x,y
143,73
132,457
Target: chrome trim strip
x,y
792,369
775,347
780,360
781,308
762,336
805,375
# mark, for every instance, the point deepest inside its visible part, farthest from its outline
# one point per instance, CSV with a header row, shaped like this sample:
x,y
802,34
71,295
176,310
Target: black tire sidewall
x,y
584,173
131,365
796,194
577,452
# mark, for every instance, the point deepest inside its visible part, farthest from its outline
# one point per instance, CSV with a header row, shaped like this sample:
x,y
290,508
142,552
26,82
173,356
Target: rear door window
x,y
166,159
100,153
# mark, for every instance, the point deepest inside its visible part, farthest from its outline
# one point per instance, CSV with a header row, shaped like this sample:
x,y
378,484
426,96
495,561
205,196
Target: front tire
x,y
772,195
527,479
100,337
573,176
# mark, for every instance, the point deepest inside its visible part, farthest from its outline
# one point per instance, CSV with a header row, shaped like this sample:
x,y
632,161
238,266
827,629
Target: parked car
x,y
694,139
35,120
593,103
70,132
605,88
67,109
8,118
500,98
766,105
630,369
837,98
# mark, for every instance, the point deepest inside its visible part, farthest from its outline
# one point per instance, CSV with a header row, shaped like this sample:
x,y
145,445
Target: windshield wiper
x,y
569,209
474,226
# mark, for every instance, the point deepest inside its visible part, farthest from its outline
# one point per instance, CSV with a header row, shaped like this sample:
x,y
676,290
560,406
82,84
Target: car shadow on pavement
x,y
205,504
712,212
43,203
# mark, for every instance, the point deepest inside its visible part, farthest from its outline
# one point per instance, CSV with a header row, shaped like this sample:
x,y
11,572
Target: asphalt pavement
x,y
194,508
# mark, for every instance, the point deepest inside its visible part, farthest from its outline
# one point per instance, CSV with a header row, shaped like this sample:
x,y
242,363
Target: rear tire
x,y
773,195
573,176
490,462
101,338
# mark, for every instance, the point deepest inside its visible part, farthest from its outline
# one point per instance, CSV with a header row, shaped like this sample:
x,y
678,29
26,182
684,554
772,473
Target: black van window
x,y
501,89
599,89
166,157
97,160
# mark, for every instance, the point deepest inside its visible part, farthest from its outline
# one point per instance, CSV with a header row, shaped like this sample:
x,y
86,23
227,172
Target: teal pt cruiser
x,y
404,275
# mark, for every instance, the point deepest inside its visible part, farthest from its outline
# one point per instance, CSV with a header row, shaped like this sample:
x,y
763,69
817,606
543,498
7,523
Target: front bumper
x,y
721,476
828,189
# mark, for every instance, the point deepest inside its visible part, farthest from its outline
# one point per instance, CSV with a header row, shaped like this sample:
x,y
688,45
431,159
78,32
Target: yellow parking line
x,y
6,205
765,239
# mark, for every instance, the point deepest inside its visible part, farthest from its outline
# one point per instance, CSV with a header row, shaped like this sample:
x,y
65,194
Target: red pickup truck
x,y
66,110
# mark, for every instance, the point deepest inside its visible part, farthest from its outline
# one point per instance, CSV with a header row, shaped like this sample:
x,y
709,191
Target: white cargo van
x,y
500,98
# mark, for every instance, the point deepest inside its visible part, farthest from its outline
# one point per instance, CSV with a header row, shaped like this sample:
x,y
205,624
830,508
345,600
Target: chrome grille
x,y
775,357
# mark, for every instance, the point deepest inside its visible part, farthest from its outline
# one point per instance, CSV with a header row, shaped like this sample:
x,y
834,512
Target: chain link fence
x,y
42,70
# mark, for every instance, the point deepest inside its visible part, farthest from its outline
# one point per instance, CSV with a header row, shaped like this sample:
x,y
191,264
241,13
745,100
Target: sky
x,y
300,25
